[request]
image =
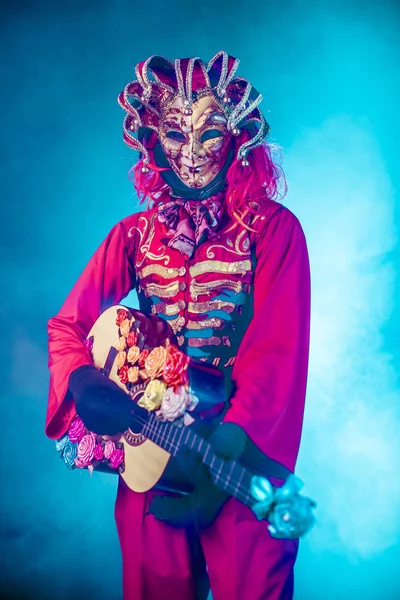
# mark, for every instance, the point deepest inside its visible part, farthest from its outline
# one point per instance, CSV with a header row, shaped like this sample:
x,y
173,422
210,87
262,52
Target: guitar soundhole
x,y
135,438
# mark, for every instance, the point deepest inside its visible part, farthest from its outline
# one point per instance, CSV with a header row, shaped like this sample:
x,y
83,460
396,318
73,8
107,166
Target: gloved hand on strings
x,y
205,502
103,407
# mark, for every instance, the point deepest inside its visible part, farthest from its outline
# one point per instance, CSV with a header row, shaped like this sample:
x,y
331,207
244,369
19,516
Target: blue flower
x,y
263,492
60,443
291,518
68,453
289,489
261,509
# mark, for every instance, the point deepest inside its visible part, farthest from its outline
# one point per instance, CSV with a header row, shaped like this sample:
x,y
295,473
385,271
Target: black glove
x,y
103,407
201,506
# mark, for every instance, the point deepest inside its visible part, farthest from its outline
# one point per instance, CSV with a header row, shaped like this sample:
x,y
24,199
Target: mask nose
x,y
196,149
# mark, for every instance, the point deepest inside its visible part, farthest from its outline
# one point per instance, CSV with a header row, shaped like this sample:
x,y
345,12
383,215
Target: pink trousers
x,y
243,561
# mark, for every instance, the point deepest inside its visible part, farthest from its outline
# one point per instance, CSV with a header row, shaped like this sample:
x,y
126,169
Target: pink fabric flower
x,y
89,343
76,430
98,453
116,458
109,448
86,449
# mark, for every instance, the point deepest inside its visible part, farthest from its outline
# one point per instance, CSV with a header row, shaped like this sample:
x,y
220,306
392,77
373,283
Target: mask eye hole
x,y
175,135
210,134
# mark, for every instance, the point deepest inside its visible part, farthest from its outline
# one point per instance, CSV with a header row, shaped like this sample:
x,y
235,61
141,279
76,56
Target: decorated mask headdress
x,y
159,81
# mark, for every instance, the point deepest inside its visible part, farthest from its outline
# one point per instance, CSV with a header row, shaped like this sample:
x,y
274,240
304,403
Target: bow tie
x,y
190,222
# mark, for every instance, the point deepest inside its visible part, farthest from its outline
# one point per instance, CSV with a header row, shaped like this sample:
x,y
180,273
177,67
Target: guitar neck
x,y
228,475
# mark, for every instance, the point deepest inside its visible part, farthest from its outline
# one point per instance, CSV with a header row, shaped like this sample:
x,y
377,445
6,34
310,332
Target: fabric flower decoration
x,y
193,402
291,488
109,448
89,343
291,520
120,359
133,374
263,492
291,516
76,430
121,316
175,369
132,338
125,327
98,453
133,354
153,395
142,357
261,489
116,458
85,450
121,344
61,443
69,454
155,362
123,374
175,403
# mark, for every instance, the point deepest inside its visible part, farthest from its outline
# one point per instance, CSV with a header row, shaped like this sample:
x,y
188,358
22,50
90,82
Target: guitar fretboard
x,y
226,474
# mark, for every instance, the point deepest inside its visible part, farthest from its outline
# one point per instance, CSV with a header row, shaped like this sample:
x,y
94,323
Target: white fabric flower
x,y
175,403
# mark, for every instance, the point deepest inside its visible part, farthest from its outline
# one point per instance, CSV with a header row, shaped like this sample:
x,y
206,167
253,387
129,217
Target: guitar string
x,y
237,488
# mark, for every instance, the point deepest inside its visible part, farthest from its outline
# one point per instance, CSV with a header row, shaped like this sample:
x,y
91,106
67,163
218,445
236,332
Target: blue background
x,y
328,71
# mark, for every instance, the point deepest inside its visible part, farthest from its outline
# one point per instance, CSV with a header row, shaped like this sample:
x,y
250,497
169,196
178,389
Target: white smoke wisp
x,y
350,454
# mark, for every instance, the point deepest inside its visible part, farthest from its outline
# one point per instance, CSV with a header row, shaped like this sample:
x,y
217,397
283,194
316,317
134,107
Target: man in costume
x,y
226,265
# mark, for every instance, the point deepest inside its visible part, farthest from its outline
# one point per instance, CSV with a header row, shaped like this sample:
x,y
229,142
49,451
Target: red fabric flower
x,y
132,339
142,357
171,349
175,370
121,315
123,374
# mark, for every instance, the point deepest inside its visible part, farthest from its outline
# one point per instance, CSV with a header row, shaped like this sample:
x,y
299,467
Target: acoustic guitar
x,y
151,442
148,449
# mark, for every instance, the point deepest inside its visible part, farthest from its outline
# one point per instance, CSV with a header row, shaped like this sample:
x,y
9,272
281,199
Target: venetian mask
x,y
195,140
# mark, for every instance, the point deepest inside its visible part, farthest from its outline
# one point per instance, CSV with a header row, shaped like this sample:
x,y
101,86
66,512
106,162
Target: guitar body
x,y
147,465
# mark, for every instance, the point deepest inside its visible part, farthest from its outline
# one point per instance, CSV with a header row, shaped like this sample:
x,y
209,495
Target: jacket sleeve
x,y
270,371
108,277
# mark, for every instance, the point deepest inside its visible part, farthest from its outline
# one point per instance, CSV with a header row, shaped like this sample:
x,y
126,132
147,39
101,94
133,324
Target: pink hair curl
x,y
247,186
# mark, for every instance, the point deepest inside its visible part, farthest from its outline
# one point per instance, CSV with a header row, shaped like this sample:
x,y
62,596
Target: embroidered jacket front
x,y
240,301
205,297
